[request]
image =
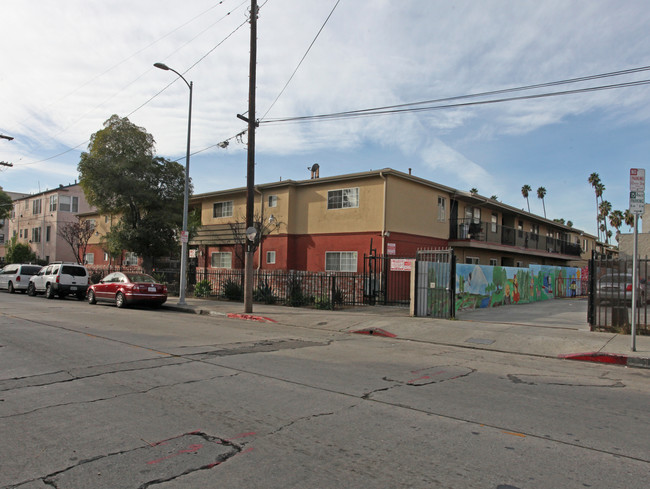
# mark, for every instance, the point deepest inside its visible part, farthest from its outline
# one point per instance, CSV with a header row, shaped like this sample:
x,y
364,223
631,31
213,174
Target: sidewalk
x,y
544,333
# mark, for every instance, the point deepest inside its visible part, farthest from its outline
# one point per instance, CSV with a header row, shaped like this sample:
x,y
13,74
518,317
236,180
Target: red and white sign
x,y
391,248
401,265
184,236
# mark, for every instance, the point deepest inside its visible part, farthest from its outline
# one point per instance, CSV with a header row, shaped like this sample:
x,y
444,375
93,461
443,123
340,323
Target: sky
x,y
68,66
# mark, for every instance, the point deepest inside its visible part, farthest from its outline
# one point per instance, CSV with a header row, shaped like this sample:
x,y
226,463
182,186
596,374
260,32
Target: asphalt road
x,y
96,397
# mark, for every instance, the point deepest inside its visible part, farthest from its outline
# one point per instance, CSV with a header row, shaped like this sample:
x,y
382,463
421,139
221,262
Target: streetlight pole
x,y
186,194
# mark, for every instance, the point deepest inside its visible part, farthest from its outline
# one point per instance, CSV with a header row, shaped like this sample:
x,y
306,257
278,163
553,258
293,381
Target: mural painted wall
x,y
479,286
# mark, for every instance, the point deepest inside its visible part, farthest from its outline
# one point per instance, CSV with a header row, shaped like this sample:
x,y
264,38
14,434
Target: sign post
x,y
637,206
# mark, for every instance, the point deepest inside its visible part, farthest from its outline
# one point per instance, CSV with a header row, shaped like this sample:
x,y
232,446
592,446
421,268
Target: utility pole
x,y
250,177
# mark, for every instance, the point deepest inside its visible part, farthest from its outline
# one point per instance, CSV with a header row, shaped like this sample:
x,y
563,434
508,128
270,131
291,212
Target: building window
x,y
36,235
20,233
106,219
53,200
92,223
585,246
473,215
2,238
494,262
493,224
520,229
534,228
273,200
130,258
221,259
341,261
89,258
442,209
472,260
222,209
48,232
343,199
68,204
519,264
36,206
105,256
270,257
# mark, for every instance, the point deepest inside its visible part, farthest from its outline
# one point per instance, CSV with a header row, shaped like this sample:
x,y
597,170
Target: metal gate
x,y
387,280
435,284
610,294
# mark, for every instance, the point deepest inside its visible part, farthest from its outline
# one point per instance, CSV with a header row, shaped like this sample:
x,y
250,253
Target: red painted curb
x,y
250,317
376,332
612,358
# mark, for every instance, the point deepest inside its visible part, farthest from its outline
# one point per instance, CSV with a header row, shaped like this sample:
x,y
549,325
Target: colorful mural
x,y
479,286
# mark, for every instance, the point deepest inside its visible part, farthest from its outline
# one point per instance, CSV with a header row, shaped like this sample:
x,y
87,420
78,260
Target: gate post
x,y
591,291
452,285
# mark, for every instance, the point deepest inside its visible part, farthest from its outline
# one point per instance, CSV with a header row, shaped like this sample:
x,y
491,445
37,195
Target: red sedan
x,y
126,288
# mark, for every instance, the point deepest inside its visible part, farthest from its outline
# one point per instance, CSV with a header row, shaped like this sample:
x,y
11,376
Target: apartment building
x,y
36,219
329,224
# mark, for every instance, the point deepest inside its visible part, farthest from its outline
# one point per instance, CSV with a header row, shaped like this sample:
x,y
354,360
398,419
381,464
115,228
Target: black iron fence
x,y
611,306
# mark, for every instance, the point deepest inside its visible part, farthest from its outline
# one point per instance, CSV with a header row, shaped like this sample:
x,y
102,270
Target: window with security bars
x,y
343,199
341,261
442,206
221,259
222,209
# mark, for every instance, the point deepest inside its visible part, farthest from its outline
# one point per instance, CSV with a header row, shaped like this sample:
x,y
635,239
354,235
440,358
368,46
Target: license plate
x,y
152,289
73,288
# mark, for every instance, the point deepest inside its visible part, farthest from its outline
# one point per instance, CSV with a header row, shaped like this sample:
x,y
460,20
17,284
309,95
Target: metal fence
x,y
610,295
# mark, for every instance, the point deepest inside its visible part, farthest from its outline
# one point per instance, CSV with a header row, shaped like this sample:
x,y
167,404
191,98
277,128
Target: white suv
x,y
60,279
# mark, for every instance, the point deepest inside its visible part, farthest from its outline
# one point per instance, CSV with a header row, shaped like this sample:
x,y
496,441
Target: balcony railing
x,y
488,232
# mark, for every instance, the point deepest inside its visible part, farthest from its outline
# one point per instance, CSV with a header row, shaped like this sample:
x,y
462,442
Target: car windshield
x,y
140,278
73,270
31,270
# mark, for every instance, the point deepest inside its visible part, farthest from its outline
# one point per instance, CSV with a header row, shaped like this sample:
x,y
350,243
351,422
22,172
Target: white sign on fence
x,y
637,190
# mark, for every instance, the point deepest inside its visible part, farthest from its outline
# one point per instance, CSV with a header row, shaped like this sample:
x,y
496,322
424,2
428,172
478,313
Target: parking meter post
x,y
635,279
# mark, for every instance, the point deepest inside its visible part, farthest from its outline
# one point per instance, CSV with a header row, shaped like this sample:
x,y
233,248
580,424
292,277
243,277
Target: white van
x,y
60,279
16,276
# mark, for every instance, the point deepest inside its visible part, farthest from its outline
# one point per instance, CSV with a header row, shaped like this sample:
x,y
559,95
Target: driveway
x,y
557,313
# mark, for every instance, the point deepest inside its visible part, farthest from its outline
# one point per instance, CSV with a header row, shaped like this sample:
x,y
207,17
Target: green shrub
x,y
294,287
323,302
95,277
203,288
338,297
232,290
264,293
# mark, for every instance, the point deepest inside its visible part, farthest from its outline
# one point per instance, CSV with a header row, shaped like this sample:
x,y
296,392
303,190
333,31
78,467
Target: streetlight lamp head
x,y
162,66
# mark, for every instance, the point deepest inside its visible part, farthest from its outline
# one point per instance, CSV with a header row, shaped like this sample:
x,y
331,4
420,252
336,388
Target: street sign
x,y
184,236
637,190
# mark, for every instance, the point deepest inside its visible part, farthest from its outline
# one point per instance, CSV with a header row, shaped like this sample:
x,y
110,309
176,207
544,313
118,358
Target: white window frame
x,y
341,261
36,235
222,257
89,258
36,206
494,222
106,256
442,209
226,209
53,201
130,258
472,260
343,198
270,257
273,201
494,262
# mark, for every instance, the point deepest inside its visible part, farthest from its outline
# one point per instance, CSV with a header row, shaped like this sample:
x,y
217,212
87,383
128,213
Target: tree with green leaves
x,y
541,193
19,252
616,221
121,176
604,209
6,204
594,181
473,191
525,191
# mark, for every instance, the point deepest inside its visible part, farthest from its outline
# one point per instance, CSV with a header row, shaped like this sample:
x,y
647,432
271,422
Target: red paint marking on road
x,y
250,317
376,332
611,358
242,435
191,449
424,377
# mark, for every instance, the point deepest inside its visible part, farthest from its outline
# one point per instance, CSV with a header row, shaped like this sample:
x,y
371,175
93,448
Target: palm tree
x,y
616,220
473,190
525,190
494,197
594,180
604,209
569,223
541,193
628,217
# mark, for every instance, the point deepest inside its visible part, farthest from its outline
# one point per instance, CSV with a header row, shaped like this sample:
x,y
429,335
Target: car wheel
x,y
49,292
91,297
31,290
120,301
10,288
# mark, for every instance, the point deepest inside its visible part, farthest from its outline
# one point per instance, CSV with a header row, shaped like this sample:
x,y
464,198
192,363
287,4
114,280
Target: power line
x,y
409,107
302,59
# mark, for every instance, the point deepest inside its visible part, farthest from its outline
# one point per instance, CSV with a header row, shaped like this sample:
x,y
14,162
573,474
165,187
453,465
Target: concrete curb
x,y
611,358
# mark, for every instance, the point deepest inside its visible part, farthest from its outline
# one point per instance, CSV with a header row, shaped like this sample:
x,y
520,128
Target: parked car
x,y
60,279
16,276
617,287
124,288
